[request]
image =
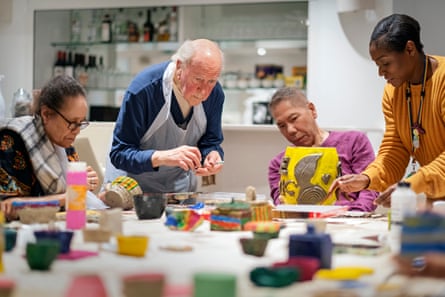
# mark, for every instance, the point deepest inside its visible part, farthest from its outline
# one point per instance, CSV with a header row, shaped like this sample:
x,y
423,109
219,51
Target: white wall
x,y
341,81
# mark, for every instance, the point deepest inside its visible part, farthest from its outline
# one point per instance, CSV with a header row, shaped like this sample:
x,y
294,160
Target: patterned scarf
x,y
49,160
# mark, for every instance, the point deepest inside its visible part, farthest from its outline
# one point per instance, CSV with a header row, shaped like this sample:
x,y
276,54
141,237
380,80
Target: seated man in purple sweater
x,y
296,118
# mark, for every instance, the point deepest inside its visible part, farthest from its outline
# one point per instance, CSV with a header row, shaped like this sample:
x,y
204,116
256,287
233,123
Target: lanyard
x,y
416,127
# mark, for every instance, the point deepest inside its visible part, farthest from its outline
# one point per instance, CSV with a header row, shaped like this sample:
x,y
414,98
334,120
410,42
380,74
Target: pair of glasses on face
x,y
72,125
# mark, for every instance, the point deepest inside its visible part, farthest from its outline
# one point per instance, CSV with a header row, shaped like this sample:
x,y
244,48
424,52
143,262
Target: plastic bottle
x,y
403,203
76,179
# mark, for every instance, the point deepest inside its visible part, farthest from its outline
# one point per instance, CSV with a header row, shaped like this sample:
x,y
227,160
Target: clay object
x,y
10,239
136,285
7,287
184,220
40,255
307,266
96,235
214,284
135,245
312,244
275,277
230,216
254,246
63,237
36,211
86,285
149,205
121,191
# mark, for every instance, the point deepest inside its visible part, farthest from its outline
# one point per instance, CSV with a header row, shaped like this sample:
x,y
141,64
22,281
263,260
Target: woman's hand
x,y
92,178
433,265
384,198
6,207
349,183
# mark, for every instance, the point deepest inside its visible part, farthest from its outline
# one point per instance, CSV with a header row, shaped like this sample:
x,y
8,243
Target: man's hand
x,y
212,165
185,157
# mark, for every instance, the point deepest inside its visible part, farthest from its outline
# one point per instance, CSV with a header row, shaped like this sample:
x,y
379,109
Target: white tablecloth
x,y
212,251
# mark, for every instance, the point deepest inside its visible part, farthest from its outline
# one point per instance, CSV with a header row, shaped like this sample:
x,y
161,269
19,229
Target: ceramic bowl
x,y
63,237
10,239
150,205
7,287
254,246
139,284
36,212
133,245
40,255
96,235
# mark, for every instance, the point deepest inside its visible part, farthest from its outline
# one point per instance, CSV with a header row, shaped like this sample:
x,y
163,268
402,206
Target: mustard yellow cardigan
x,y
395,150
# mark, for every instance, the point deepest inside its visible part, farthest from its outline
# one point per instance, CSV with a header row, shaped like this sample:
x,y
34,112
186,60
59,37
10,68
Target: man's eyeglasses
x,y
73,125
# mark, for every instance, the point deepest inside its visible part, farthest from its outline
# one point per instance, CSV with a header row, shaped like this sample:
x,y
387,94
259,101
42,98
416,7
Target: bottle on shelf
x,y
80,73
59,65
148,28
120,25
76,180
92,72
69,65
106,28
101,81
75,26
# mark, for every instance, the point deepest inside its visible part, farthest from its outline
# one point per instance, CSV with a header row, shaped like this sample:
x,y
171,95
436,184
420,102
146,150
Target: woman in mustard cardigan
x,y
414,110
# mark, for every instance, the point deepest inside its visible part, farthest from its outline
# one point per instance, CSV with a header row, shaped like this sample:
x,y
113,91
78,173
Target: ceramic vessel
x,y
133,245
86,285
149,205
63,237
254,246
136,285
40,255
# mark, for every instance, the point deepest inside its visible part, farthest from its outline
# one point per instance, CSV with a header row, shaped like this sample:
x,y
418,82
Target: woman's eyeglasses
x,y
73,125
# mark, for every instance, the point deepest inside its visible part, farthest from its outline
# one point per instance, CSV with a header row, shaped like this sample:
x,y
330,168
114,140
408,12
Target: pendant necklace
x,y
416,127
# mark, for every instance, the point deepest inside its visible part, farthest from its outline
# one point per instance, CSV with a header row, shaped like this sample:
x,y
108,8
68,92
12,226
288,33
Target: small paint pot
x,y
133,245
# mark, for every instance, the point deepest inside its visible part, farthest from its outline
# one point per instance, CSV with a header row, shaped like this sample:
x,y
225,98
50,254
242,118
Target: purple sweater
x,y
355,152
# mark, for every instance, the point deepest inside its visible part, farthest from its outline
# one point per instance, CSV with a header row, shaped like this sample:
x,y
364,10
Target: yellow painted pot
x,y
134,245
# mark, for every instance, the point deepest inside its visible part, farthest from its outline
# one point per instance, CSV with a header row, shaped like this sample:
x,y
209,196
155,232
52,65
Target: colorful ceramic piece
x,y
121,191
261,211
36,212
307,173
230,216
133,245
184,220
307,266
266,230
254,246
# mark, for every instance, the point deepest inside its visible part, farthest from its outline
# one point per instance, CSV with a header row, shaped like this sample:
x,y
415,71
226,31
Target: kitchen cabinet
x,y
249,34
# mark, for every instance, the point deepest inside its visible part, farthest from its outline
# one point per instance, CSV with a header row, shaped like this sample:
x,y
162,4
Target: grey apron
x,y
164,134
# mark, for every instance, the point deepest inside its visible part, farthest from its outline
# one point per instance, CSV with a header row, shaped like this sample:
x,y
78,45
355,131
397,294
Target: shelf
x,y
122,45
